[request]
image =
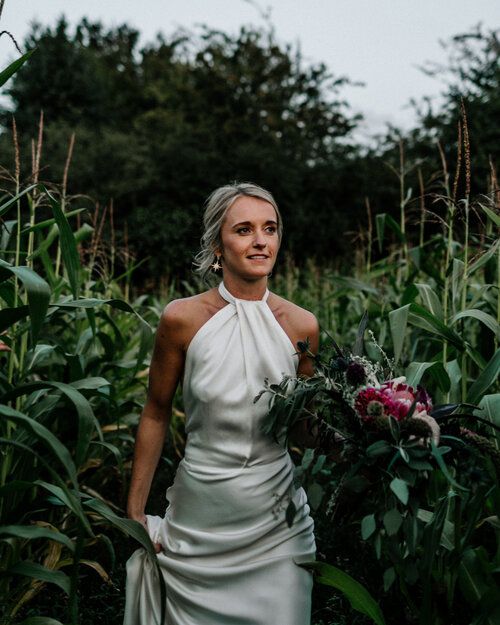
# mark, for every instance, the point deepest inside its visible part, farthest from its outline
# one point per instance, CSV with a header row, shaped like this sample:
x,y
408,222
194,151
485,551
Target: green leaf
x,y
69,499
422,318
473,578
491,214
381,221
135,530
400,489
11,69
415,371
455,375
37,571
483,259
45,436
368,526
438,455
398,320
430,300
291,511
489,321
448,532
87,421
10,316
378,448
359,597
489,408
67,243
358,345
38,292
50,222
94,303
315,494
11,201
485,379
35,531
392,521
389,577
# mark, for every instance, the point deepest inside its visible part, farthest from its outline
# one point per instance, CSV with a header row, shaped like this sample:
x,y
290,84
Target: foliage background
x,y
155,130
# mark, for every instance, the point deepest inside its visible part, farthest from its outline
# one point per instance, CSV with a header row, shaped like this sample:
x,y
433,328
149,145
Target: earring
x,y
216,266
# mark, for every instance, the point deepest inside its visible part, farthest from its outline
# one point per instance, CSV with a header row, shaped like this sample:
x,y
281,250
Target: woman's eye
x,y
271,229
242,230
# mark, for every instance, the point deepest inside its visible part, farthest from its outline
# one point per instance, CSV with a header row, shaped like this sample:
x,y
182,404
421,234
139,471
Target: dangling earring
x,y
216,266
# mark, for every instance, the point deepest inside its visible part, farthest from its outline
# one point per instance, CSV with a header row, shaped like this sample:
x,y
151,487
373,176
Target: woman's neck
x,y
246,289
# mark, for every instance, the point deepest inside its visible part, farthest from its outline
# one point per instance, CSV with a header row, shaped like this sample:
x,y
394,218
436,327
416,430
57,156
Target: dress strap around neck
x,y
225,294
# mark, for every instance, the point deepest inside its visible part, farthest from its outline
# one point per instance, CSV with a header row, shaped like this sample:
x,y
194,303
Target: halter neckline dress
x,y
229,557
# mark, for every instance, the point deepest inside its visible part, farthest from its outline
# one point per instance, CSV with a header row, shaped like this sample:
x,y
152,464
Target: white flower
x,y
400,380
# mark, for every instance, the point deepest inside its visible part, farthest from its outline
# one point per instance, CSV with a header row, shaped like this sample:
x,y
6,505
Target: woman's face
x,y
249,237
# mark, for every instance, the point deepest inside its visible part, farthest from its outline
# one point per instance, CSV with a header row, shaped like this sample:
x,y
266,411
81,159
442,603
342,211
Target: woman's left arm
x,y
305,432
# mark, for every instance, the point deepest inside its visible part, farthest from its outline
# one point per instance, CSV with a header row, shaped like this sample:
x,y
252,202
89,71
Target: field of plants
x,y
417,528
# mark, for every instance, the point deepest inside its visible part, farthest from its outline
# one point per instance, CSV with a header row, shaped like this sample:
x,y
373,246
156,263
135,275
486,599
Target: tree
x,y
158,129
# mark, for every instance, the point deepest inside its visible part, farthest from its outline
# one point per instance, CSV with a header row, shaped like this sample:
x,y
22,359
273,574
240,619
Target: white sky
x,y
378,42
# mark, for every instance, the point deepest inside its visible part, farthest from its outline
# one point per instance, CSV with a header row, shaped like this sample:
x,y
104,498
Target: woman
x,y
225,549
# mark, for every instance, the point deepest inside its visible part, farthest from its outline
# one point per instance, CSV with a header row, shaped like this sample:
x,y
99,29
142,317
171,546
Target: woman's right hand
x,y
143,520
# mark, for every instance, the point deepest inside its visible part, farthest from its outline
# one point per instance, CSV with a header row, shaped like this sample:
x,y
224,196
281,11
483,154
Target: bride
x,y
225,550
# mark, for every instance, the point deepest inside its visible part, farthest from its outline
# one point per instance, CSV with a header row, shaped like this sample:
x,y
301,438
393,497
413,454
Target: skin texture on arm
x,y
308,328
305,432
166,368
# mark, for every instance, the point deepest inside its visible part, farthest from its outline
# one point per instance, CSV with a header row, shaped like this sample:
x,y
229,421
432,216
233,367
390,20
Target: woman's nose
x,y
259,239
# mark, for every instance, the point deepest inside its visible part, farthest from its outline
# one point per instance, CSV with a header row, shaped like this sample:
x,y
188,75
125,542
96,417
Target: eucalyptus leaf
x,y
368,526
400,489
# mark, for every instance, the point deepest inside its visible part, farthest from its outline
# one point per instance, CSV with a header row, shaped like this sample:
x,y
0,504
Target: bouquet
x,y
394,470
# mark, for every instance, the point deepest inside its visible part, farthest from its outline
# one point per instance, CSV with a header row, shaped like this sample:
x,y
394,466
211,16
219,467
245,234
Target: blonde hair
x,y
216,207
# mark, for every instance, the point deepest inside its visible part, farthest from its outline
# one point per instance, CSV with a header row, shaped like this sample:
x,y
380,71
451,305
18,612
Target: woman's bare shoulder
x,y
303,321
183,316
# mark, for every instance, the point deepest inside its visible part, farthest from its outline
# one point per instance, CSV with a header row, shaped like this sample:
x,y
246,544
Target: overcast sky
x,y
378,42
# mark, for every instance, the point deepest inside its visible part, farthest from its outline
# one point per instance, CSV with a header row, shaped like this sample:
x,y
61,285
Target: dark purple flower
x,y
355,374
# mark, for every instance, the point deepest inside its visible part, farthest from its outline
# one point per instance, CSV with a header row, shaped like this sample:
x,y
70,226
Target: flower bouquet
x,y
402,473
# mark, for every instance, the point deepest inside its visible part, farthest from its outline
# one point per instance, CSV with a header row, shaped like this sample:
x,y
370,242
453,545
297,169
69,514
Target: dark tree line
x,y
158,128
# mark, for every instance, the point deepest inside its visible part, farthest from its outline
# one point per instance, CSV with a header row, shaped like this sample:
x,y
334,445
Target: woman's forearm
x,y
148,447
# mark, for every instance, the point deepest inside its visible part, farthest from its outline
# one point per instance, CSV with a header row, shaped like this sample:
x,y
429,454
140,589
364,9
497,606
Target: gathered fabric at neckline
x,y
229,297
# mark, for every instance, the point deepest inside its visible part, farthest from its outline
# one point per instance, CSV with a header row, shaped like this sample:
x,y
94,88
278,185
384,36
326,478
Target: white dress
x,y
229,556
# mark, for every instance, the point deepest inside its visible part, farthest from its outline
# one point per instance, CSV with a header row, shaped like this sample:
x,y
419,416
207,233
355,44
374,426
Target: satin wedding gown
x,y
229,557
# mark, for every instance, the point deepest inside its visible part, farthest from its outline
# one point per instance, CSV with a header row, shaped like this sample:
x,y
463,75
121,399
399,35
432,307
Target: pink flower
x,y
393,398
371,402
